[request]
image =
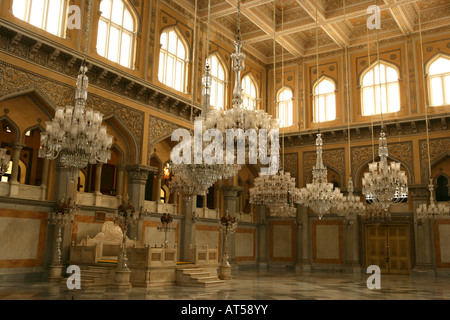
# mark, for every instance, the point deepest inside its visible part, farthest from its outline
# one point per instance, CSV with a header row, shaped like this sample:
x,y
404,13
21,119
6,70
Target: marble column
x,y
188,230
14,183
44,183
351,243
304,259
261,237
119,183
159,176
423,234
137,179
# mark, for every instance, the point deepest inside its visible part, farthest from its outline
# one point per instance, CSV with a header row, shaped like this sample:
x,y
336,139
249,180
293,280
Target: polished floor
x,y
272,284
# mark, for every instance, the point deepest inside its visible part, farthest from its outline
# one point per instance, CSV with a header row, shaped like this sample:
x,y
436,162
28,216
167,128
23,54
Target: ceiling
x,y
339,23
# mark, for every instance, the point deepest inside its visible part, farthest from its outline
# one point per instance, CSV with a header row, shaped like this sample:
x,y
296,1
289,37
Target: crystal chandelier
x,y
385,184
320,195
4,161
76,134
277,192
434,209
239,117
196,177
350,206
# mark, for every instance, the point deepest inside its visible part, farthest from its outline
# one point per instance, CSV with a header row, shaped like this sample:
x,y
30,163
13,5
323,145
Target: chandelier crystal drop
x,y
4,161
385,183
434,209
76,134
320,195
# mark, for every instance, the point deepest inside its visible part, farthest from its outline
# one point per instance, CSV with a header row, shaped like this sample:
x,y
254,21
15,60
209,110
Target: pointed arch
x,y
117,30
173,58
219,75
16,138
130,147
324,99
285,106
438,80
380,93
251,91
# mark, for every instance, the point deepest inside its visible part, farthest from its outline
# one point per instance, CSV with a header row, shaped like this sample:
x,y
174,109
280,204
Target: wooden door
x,y
387,246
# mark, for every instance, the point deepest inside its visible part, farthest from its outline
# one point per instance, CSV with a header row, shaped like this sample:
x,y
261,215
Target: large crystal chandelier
x,y
277,192
4,161
385,183
76,134
320,195
194,178
239,117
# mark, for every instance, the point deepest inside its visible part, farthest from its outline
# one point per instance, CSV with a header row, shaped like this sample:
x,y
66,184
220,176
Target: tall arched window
x,y
217,83
172,60
116,32
442,190
324,101
285,112
385,77
249,93
49,15
439,81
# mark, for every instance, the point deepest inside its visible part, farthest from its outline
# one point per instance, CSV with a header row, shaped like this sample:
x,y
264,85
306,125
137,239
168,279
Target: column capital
x,y
139,171
231,191
419,192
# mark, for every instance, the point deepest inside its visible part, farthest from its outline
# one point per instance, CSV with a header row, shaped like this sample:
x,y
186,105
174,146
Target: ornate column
x,y
137,179
423,233
14,184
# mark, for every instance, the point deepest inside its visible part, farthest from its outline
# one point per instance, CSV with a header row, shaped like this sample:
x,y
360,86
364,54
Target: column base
x,y
225,273
424,270
122,279
55,273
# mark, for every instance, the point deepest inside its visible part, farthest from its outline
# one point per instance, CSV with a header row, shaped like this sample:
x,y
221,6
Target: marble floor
x,y
252,284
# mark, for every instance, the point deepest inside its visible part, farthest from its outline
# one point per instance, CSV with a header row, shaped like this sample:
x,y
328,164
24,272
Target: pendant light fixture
x,y
320,195
385,183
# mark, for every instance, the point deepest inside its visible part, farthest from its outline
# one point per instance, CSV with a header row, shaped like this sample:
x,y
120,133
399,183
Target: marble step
x,y
196,275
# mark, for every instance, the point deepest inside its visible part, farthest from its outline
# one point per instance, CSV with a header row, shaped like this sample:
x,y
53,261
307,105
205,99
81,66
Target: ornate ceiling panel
x,y
296,22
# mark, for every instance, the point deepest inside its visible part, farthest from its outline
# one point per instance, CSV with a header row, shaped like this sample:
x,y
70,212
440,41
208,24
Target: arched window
x,y
172,60
249,95
49,15
439,81
285,112
116,32
384,77
324,101
217,83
